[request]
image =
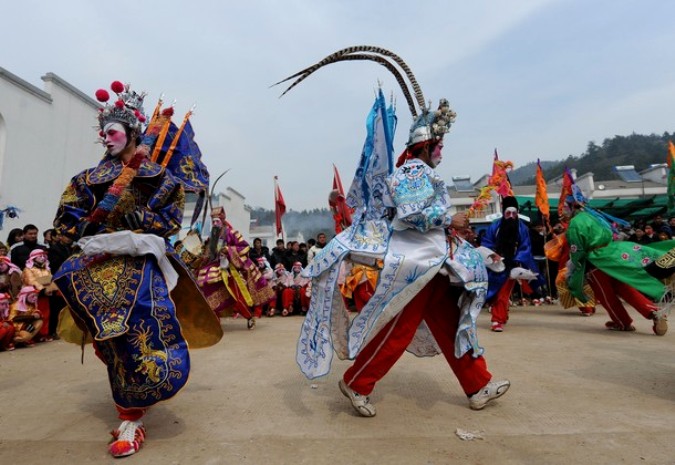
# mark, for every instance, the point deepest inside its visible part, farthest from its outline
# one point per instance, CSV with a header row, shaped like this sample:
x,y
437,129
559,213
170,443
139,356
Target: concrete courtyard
x,y
580,395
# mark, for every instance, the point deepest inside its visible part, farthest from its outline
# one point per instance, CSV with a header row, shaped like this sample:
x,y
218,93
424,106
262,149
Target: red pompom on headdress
x,y
117,87
167,111
102,95
119,104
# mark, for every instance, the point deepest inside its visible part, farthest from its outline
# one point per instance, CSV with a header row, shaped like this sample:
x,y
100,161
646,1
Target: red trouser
x,y
43,306
304,298
436,305
607,291
500,303
362,295
287,298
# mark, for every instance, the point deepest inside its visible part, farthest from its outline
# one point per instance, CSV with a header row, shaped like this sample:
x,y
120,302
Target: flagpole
x,y
276,208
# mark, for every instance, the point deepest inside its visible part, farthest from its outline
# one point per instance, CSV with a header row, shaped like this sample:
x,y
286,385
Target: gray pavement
x,y
580,395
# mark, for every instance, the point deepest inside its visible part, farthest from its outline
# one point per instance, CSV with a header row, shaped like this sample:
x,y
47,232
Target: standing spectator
x,y
661,226
320,244
259,250
21,253
279,255
650,236
48,237
294,255
15,238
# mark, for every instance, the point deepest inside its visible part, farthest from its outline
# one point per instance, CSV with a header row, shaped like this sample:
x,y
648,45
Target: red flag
x,y
279,206
541,196
565,191
342,214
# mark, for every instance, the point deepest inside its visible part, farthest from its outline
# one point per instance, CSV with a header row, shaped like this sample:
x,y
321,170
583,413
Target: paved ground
x,y
580,394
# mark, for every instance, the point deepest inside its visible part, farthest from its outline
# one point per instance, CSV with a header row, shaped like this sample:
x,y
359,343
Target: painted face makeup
x,y
436,155
115,138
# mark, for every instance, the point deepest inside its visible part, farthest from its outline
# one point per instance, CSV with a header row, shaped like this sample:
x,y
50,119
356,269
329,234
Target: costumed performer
x,y
224,276
509,237
126,289
415,306
614,269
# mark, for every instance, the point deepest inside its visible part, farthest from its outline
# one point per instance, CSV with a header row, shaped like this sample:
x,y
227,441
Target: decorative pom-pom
x,y
167,111
101,133
141,118
102,95
117,87
119,104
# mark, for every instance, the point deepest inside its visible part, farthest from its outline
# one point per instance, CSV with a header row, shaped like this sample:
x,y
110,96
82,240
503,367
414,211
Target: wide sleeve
x,y
163,214
76,203
421,199
489,241
576,235
524,251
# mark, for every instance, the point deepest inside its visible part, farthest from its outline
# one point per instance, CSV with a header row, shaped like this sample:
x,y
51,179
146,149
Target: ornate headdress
x,y
427,125
127,109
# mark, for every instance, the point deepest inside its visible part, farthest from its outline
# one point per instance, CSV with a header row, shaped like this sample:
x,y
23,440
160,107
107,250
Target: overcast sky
x,y
532,78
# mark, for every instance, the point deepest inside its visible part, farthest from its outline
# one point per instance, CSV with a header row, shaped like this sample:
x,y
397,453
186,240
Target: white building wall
x,y
236,211
46,137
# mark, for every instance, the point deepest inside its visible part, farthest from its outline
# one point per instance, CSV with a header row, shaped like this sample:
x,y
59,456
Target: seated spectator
x,y
6,327
282,284
26,317
664,236
10,278
38,275
301,289
4,250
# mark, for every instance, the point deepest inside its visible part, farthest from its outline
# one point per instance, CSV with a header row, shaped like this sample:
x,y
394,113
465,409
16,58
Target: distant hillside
x,y
521,175
636,149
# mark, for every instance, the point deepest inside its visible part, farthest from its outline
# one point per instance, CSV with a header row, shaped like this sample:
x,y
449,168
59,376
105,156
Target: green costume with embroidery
x,y
591,241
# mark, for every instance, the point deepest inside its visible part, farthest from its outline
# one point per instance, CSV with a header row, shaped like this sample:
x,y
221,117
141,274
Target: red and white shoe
x,y
127,439
497,327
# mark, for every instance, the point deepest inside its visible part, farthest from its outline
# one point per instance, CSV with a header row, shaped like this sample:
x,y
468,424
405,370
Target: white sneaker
x,y
360,403
492,390
127,439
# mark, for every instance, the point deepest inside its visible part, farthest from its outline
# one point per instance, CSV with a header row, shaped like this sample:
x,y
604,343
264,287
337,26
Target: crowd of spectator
x,y
29,302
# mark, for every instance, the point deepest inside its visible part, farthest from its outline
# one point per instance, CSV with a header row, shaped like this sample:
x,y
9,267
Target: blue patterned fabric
x,y
124,303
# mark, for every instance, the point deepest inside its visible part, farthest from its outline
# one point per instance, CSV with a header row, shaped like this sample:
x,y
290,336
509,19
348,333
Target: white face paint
x,y
115,138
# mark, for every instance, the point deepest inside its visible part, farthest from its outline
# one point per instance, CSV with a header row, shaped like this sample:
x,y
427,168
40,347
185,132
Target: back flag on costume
x,y
565,190
541,197
175,148
500,177
279,206
366,194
